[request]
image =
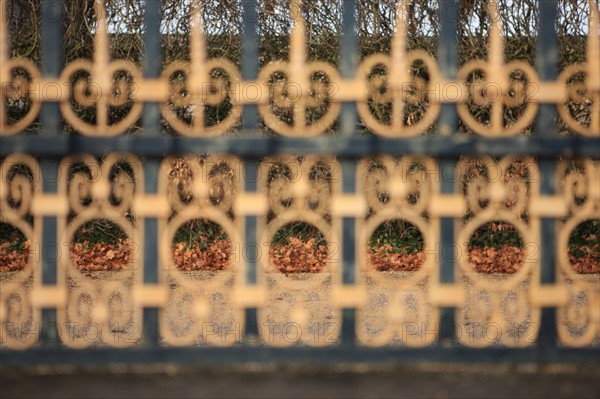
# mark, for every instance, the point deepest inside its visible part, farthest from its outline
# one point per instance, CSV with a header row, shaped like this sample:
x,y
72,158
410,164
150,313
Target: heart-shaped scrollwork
x,y
295,108
399,108
98,108
208,110
581,112
498,105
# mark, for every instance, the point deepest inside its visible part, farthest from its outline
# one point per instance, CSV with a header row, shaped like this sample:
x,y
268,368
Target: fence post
x,y
546,65
151,125
51,126
448,125
250,65
348,63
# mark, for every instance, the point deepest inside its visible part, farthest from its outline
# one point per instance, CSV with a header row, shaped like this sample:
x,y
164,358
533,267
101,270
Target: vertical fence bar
x,y
447,126
151,125
250,59
546,65
250,174
50,120
348,63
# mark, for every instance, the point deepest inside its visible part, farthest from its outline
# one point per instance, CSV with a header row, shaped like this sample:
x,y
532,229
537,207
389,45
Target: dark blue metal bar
x,y
349,251
250,61
151,121
50,119
352,147
250,122
348,121
447,127
448,60
151,274
333,356
349,40
448,123
546,65
151,124
152,64
51,41
348,64
349,248
250,251
250,66
252,246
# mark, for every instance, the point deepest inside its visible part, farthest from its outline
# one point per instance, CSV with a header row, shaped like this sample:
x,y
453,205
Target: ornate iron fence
x,y
344,184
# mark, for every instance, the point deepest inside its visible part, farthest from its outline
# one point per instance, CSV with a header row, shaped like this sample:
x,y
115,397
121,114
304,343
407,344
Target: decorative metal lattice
x,y
299,98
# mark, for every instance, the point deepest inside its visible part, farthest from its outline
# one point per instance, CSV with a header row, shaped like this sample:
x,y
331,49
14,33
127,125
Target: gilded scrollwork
x,y
99,307
498,197
393,86
398,309
397,94
299,231
200,306
299,206
19,319
578,183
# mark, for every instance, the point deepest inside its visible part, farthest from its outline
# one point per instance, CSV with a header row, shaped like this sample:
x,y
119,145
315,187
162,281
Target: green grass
x,y
496,234
403,237
99,231
199,232
300,230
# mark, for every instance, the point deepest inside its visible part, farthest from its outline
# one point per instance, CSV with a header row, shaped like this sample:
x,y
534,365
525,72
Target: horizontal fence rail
x,y
103,140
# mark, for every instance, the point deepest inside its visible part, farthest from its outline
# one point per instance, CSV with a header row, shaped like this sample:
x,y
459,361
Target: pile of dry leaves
x,y
506,259
206,256
88,257
584,250
13,259
299,256
386,259
585,264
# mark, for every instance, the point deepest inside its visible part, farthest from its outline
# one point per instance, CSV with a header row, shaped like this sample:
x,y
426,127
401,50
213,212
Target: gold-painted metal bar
x,y
447,295
150,295
49,297
49,204
349,297
549,296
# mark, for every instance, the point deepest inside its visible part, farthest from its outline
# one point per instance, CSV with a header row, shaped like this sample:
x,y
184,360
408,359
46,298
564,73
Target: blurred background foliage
x,y
223,25
223,22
